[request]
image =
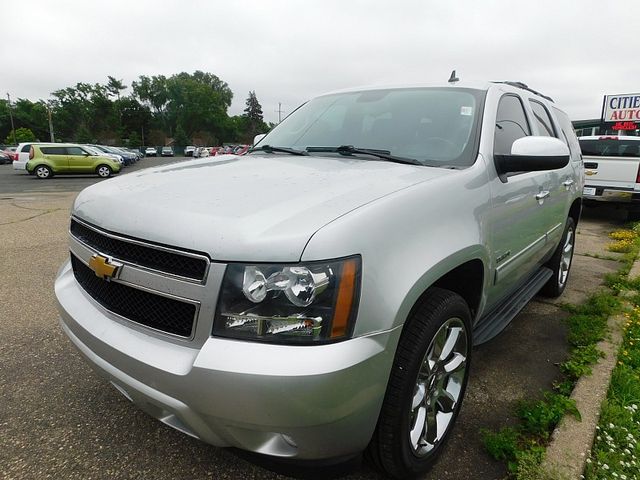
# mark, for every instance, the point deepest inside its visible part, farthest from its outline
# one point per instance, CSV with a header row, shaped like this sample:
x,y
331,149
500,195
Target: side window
x,y
568,134
53,150
511,124
545,125
75,151
26,148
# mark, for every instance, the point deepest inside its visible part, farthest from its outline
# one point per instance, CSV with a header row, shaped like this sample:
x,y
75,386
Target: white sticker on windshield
x,y
467,111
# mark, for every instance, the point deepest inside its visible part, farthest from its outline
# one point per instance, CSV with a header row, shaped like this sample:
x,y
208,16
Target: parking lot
x,y
60,420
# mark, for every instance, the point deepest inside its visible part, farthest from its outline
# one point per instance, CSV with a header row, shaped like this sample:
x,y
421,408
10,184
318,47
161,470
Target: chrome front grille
x,y
188,265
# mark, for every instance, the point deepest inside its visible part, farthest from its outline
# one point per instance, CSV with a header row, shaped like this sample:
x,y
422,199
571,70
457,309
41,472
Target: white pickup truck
x,y
612,170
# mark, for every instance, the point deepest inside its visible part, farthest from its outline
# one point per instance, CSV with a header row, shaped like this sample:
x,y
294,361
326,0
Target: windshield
x,y
435,126
92,151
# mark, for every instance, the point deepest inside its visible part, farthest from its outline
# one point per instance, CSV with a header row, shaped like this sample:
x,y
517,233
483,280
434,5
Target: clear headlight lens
x,y
302,303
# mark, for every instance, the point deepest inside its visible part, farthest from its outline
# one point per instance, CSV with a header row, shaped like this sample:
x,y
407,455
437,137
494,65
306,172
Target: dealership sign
x,y
621,108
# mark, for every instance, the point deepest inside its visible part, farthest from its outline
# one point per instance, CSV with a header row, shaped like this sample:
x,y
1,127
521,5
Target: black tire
x,y
558,263
42,172
104,171
391,448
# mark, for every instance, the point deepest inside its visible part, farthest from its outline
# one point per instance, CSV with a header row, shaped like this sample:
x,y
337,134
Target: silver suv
x,y
321,295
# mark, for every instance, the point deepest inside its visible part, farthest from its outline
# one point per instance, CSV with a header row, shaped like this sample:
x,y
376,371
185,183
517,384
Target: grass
x,y
616,453
523,446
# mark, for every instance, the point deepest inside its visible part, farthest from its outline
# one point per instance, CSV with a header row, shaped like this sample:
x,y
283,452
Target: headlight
x,y
302,303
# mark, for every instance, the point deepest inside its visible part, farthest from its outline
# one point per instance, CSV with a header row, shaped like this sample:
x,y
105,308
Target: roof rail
x,y
524,86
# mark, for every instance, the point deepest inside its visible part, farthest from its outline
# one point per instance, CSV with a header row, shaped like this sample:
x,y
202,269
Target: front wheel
x,y
560,263
426,386
103,171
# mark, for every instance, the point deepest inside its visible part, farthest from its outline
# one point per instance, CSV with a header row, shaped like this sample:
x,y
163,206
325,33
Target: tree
x,y
134,140
180,139
115,86
255,122
22,135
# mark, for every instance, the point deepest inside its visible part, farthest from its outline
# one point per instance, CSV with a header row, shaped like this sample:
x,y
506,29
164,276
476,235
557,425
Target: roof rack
x,y
524,86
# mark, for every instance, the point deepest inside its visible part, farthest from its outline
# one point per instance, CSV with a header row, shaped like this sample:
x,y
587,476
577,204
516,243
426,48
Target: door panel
x,y
79,161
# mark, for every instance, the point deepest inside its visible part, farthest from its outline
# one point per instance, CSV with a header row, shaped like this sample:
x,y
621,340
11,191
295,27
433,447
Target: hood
x,y
249,208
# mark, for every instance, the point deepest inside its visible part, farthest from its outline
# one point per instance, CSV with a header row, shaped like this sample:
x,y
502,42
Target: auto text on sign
x,y
622,108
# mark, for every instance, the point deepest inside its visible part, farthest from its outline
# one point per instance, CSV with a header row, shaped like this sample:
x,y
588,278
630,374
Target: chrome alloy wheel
x,y
565,258
104,171
438,387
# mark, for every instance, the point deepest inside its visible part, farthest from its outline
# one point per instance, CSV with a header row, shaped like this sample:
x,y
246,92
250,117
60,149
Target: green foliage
x,y
21,135
156,107
134,140
180,138
502,445
539,417
616,450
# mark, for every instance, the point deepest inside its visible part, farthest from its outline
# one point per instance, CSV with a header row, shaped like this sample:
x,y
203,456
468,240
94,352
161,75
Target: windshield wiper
x,y
270,149
350,150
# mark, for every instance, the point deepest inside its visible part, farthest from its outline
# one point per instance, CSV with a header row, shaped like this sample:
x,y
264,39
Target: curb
x,y
572,439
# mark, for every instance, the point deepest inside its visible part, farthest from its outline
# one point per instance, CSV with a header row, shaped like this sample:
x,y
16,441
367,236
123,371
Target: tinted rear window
x,y
610,148
54,150
26,148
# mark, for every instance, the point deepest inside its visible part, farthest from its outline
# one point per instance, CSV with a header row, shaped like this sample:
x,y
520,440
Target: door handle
x,y
542,195
567,183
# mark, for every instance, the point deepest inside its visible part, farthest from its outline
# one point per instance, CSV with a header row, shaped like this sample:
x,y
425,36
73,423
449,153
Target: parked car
x,y
129,157
150,152
47,160
612,167
21,157
96,152
327,298
167,152
5,158
109,151
188,150
241,149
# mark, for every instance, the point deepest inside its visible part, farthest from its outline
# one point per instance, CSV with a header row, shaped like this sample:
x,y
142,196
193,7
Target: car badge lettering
x,y
103,267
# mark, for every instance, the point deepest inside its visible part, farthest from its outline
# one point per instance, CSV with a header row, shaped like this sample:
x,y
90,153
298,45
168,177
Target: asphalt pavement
x,y
58,419
16,181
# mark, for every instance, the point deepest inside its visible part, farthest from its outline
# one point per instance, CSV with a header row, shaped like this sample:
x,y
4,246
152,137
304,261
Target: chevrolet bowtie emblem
x,y
590,172
103,267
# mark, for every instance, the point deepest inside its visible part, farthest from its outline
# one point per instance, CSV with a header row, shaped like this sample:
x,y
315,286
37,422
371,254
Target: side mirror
x,y
258,137
530,154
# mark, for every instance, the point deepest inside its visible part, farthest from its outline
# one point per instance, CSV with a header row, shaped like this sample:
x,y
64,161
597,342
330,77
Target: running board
x,y
497,320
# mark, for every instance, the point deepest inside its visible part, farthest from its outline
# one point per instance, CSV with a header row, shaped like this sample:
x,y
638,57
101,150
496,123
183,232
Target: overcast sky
x,y
289,51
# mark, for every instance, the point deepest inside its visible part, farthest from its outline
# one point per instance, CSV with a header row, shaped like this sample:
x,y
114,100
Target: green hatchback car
x,y
46,160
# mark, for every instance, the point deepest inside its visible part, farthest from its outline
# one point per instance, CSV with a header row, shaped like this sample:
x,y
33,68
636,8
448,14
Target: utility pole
x,y
280,112
13,129
142,129
51,134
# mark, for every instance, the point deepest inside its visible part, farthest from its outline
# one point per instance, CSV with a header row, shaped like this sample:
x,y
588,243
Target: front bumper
x,y
306,402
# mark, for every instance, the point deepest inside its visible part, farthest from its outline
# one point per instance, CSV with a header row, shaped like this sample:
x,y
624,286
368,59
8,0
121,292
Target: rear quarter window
x,y
53,150
568,134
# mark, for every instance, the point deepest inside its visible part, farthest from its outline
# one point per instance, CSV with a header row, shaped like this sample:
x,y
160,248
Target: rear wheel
x,y
43,172
560,263
104,171
426,386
